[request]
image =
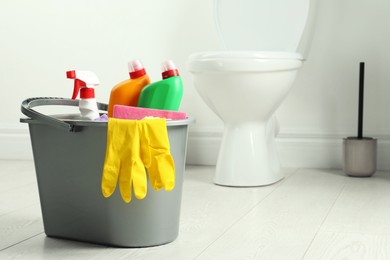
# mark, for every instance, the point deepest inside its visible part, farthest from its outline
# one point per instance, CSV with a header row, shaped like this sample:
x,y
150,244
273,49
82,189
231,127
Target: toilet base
x,y
248,156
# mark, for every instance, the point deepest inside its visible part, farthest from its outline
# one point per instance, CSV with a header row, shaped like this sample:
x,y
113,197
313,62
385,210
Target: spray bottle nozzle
x,y
84,81
71,74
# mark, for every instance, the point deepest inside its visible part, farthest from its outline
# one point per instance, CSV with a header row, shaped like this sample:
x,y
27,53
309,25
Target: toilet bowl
x,y
246,83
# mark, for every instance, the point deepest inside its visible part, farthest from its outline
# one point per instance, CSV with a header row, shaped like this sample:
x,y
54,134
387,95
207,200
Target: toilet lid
x,y
261,25
242,55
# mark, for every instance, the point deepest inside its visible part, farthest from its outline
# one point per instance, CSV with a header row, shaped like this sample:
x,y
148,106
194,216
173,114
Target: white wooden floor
x,y
311,214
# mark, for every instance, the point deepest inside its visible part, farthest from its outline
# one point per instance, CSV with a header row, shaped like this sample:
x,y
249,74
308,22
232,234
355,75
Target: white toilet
x,y
247,82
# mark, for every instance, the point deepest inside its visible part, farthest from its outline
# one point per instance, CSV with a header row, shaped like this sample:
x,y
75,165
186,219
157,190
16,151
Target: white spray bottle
x,y
85,81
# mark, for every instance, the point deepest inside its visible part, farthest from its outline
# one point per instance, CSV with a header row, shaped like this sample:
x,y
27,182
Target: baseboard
x,y
15,142
296,150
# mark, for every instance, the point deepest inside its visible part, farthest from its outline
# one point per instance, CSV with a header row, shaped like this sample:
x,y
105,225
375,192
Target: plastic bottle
x,y
165,94
127,92
84,82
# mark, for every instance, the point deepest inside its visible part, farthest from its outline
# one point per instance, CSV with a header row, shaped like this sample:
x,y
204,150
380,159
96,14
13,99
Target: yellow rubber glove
x,y
123,160
155,153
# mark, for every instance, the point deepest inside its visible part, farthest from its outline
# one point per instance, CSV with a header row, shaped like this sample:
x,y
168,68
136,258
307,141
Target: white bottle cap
x,y
168,65
136,69
135,65
169,69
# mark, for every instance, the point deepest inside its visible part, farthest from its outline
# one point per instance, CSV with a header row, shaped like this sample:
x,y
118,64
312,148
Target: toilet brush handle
x,y
361,100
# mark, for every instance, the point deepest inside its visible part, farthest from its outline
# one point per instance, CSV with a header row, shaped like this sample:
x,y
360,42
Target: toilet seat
x,y
241,61
248,55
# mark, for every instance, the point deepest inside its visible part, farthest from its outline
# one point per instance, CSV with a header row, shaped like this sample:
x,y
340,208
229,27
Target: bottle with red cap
x,y
165,94
127,92
84,82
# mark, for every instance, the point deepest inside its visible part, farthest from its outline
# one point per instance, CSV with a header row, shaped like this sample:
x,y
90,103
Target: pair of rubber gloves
x,y
132,146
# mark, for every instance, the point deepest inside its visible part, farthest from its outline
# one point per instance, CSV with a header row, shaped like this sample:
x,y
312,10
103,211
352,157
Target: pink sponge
x,y
137,113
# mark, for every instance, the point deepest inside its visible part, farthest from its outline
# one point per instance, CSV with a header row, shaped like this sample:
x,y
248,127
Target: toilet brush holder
x,y
359,153
359,156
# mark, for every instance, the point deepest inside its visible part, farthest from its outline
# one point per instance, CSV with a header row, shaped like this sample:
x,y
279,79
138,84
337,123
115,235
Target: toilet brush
x,y
360,153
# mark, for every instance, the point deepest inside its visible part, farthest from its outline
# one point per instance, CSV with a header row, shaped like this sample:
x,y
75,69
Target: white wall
x,y
41,39
324,99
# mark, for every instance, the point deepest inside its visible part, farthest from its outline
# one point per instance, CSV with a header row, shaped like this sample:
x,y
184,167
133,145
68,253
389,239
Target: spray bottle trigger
x,y
77,83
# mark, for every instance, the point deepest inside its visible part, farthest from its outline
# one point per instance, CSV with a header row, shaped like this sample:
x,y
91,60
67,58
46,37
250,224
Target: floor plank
x,y
20,212
363,207
20,225
345,246
284,224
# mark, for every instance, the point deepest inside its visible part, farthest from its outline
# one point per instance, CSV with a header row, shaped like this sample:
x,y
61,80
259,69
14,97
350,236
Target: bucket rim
x,y
68,118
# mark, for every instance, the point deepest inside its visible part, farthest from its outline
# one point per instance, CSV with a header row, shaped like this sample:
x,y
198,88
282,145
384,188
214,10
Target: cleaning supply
x,y
84,82
123,162
132,146
137,113
360,152
127,92
165,94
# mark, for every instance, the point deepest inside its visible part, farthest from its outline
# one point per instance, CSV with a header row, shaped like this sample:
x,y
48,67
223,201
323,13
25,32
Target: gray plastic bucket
x,y
69,157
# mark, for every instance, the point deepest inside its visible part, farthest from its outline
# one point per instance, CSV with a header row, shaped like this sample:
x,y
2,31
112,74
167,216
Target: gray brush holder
x,y
359,156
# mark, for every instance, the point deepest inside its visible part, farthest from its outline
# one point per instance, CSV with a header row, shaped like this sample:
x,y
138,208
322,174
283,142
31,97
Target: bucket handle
x,y
29,103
